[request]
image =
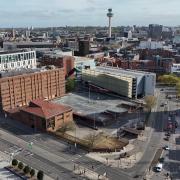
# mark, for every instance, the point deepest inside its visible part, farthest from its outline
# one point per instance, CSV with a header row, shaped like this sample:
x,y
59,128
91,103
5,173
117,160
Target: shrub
x,y
26,169
32,172
20,165
40,175
14,162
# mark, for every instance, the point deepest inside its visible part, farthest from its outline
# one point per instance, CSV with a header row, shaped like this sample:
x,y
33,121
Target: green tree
x,y
40,175
14,162
70,84
178,89
26,169
150,102
105,48
169,79
20,165
32,172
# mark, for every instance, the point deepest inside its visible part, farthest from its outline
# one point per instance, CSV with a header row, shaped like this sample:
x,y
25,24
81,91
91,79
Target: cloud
x,y
88,12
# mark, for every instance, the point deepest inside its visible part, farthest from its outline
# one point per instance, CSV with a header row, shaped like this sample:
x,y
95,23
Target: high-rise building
x,y
155,31
84,47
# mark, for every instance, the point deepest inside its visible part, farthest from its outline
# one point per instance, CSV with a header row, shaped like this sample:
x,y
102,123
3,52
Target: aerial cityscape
x,y
89,90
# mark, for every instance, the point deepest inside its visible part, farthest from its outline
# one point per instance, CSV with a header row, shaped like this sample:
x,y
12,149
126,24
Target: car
x,y
165,103
161,160
166,138
166,148
162,105
162,90
158,167
168,134
169,118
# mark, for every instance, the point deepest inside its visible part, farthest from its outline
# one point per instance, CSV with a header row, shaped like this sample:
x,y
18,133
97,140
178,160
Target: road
x,y
49,154
172,157
157,123
56,159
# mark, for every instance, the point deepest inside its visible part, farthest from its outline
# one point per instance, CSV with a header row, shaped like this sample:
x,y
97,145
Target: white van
x,y
158,167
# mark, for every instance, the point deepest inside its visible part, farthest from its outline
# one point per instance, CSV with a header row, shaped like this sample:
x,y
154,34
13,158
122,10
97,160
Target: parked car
x,y
161,160
158,167
168,134
166,138
166,148
162,105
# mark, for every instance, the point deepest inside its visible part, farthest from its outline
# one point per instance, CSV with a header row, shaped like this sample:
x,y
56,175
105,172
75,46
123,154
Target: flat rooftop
x,y
13,52
21,71
28,43
119,71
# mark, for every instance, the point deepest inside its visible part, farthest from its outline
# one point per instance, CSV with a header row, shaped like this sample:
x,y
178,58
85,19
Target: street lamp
x,y
75,144
94,120
89,90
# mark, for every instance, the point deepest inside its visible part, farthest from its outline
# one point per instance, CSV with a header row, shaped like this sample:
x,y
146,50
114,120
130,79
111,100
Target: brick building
x,y
45,116
66,62
19,90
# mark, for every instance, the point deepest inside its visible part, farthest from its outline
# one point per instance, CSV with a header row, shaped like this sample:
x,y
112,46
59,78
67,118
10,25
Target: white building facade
x,y
17,60
175,68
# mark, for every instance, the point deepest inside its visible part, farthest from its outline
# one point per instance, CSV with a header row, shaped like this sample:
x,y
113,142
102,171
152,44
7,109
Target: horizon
x,y
62,13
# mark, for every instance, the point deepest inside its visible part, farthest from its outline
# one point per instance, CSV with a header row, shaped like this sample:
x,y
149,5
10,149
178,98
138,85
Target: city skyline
x,y
43,13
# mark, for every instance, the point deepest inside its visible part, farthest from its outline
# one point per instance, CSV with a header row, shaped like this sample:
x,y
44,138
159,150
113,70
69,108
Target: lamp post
x,y
75,144
94,120
89,91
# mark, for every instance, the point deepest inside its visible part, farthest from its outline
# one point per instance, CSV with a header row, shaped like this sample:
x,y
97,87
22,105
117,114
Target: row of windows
x,y
12,65
17,57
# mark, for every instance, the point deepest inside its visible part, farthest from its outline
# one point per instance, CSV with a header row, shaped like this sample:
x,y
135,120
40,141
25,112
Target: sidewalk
x,y
81,171
5,174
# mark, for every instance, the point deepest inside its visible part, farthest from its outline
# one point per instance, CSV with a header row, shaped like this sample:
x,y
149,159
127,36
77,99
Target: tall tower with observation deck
x,y
109,15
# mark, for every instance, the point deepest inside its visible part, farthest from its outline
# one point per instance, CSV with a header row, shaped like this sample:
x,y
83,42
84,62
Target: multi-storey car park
x,y
17,60
127,83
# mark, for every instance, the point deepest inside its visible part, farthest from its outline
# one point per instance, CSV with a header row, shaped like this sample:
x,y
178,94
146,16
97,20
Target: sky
x,y
46,13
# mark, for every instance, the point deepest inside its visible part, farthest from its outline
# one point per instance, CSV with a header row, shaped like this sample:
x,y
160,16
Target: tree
x,y
70,84
26,169
14,162
105,48
40,175
178,89
169,79
91,140
150,102
69,126
20,165
32,172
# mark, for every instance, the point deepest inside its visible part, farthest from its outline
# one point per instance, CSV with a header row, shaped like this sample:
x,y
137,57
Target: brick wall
x,y
20,90
66,62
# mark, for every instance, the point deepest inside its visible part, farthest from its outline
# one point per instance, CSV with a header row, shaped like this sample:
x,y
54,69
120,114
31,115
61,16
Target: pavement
x,y
5,174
